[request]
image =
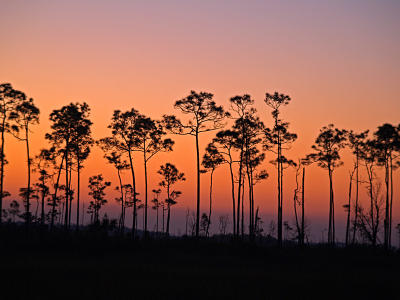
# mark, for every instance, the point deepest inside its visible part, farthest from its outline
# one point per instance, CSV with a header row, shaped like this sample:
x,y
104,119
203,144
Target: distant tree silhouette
x,y
25,115
14,210
68,124
258,228
275,139
226,141
114,157
370,222
150,141
205,116
253,158
211,160
388,141
327,155
131,200
156,205
55,200
204,223
44,163
80,148
170,176
242,108
9,99
97,187
300,222
356,142
347,207
124,137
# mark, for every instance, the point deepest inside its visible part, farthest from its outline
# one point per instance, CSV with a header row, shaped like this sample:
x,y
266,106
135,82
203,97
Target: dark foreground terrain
x,y
60,266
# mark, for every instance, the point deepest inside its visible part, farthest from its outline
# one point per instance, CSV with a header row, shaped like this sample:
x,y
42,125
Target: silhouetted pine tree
x,y
170,176
327,155
275,139
205,116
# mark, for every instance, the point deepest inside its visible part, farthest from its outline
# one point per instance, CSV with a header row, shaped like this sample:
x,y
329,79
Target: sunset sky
x,y
338,60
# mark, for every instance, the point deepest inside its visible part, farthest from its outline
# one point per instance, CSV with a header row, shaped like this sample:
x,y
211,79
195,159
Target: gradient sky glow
x,y
338,60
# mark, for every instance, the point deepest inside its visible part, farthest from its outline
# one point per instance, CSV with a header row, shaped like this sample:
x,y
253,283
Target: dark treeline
x,y
242,141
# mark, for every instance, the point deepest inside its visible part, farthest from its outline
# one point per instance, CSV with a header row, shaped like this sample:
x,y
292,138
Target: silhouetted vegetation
x,y
227,249
243,145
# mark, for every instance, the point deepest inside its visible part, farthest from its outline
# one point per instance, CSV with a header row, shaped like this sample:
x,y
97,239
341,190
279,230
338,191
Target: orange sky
x,y
338,61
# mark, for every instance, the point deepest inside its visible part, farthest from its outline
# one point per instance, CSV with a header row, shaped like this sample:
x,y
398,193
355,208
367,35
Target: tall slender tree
x,y
44,165
298,203
150,141
211,160
326,154
347,206
156,205
275,139
97,186
252,159
80,149
241,106
170,176
388,139
356,143
67,124
124,137
369,223
226,142
25,115
9,99
115,158
205,115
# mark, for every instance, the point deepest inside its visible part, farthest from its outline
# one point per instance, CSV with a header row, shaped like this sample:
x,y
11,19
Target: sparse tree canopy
x,y
204,115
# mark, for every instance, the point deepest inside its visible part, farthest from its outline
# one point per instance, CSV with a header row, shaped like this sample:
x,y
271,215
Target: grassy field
x,y
60,266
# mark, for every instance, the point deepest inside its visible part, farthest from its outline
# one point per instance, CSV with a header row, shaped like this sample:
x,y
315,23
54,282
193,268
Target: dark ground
x,y
60,266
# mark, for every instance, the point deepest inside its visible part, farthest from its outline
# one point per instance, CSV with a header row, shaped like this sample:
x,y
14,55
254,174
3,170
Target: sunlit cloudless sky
x,y
338,60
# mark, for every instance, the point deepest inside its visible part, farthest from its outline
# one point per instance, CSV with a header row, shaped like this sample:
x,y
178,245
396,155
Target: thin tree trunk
x,y
281,196
295,208
169,210
70,196
387,205
42,214
2,166
302,209
242,219
239,193
66,188
209,213
348,212
145,191
279,200
333,216
330,235
198,185
370,179
134,196
233,195
121,219
391,201
356,205
53,210
250,204
28,189
78,193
